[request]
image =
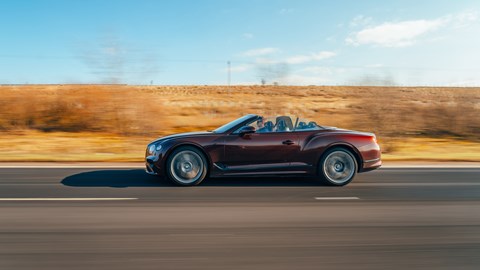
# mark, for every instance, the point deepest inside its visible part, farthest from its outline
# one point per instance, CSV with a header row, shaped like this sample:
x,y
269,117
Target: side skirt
x,y
220,170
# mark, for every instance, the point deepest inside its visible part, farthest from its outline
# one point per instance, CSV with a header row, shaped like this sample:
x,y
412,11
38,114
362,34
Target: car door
x,y
259,152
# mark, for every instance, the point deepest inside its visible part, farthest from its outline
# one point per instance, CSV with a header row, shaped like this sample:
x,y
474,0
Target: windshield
x,y
232,124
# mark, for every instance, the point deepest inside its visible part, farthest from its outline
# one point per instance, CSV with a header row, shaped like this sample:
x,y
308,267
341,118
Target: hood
x,y
182,135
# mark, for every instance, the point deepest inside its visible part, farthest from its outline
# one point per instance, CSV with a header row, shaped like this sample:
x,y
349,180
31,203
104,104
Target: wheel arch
x,y
352,149
191,144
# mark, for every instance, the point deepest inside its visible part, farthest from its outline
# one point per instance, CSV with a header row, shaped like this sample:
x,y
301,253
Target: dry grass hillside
x,y
114,122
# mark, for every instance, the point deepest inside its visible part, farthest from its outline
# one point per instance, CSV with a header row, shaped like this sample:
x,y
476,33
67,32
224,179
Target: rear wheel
x,y
186,166
338,167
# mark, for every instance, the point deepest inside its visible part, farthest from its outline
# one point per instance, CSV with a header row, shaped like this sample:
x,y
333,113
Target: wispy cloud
x,y
407,33
463,19
296,59
260,52
300,59
240,68
276,68
298,79
266,61
394,34
360,20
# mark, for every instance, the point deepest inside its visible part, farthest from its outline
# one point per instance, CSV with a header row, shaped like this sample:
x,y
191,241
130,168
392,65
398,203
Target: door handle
x,y
288,142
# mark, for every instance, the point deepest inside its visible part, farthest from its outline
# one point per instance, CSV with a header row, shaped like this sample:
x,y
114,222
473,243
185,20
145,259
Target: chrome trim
x,y
253,166
153,159
263,173
151,173
371,160
218,167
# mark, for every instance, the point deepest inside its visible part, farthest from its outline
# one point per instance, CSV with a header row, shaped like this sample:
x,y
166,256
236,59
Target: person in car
x,y
263,126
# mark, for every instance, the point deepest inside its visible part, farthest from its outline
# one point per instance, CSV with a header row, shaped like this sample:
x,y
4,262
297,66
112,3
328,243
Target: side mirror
x,y
246,130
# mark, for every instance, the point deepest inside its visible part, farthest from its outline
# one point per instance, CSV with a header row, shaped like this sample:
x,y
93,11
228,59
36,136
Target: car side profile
x,y
254,145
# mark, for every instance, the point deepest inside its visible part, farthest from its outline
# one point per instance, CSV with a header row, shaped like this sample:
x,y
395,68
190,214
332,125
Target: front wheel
x,y
338,167
186,166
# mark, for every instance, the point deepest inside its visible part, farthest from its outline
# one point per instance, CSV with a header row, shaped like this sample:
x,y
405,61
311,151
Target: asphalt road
x,y
71,218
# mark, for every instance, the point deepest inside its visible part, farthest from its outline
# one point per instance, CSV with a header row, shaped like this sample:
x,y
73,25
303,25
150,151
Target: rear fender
x,y
317,145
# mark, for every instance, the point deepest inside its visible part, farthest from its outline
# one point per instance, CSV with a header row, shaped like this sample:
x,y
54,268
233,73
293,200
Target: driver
x,y
261,125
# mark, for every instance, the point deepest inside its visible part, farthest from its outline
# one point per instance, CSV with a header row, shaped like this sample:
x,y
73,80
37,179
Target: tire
x,y
338,167
186,166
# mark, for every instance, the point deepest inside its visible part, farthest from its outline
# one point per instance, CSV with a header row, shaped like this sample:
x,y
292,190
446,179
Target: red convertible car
x,y
254,145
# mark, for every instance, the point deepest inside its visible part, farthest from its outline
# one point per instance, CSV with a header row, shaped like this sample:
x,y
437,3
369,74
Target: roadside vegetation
x,y
114,122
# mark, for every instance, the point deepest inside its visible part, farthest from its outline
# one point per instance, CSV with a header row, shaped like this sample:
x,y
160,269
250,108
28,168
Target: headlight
x,y
153,148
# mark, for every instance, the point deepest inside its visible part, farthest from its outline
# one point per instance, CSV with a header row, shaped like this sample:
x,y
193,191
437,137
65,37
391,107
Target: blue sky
x,y
289,42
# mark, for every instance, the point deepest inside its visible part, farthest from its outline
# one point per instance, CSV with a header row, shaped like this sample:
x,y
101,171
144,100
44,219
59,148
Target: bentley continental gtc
x,y
256,146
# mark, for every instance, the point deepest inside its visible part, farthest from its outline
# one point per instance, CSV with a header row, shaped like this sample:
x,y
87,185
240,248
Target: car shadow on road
x,y
138,178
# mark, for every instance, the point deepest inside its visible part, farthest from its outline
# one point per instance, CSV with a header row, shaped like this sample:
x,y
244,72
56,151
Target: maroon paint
x,y
296,152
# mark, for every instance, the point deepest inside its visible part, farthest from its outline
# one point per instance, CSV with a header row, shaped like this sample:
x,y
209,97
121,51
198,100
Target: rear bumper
x,y
372,164
371,157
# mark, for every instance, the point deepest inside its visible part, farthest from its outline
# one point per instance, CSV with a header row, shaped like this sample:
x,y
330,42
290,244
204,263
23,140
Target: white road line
x,y
473,165
406,184
337,198
67,199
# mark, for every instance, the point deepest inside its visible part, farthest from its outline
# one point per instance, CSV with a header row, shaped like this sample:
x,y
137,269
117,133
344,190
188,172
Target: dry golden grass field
x,y
115,122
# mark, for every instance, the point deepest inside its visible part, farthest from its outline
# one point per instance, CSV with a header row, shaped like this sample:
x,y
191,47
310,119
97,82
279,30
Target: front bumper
x,y
150,167
152,162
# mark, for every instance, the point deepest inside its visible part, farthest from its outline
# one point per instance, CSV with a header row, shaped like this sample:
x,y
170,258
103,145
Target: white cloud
x,y
260,52
323,55
263,56
394,34
297,79
407,33
266,61
463,19
300,59
240,68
